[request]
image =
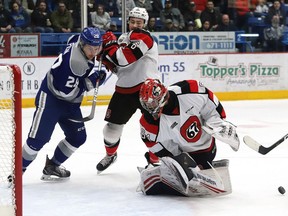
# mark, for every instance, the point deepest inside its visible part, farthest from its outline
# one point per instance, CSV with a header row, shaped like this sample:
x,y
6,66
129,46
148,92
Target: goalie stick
x,y
91,115
260,148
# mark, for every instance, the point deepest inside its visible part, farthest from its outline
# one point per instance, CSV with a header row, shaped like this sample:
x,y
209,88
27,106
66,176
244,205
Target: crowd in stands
x,y
47,16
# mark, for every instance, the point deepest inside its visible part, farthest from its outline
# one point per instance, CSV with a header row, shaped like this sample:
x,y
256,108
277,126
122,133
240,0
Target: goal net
x,y
10,141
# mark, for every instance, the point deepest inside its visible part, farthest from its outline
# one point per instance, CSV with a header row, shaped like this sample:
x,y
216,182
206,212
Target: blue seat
x,y
256,21
241,39
118,21
285,40
53,43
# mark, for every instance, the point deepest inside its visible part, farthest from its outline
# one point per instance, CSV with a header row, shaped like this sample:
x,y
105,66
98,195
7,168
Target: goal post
x,y
10,140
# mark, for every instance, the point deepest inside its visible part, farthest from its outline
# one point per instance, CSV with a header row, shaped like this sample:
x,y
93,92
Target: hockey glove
x,y
101,75
108,37
90,81
226,133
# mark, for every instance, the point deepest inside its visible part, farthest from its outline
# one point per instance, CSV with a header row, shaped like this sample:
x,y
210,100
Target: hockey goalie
x,y
180,129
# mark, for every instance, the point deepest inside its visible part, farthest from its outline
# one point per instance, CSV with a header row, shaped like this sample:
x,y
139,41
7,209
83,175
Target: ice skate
x,y
106,162
53,172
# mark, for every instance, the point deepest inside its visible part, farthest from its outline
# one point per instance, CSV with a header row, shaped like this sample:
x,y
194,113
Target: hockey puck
x,y
281,190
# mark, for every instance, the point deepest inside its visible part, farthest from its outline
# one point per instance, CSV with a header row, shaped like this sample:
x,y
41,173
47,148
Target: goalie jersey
x,y
178,129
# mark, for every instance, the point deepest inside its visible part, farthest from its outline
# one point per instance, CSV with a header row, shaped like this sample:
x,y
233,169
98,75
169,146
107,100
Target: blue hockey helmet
x,y
91,36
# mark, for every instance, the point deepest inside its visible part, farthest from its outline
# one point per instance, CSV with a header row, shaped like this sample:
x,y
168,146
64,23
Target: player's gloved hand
x,y
108,38
90,81
109,65
101,75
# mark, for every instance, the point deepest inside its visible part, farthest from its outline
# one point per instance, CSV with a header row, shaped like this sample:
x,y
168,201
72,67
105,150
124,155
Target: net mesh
x,y
7,141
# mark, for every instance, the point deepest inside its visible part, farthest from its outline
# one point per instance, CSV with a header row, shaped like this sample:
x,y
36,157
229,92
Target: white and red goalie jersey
x,y
135,56
179,128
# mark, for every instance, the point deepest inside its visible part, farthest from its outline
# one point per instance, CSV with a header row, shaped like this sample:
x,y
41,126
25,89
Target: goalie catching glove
x,y
225,132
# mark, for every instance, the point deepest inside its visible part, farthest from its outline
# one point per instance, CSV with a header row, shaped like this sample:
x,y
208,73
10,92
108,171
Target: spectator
x,y
113,26
6,22
151,25
52,4
100,18
144,4
29,5
61,18
76,15
191,14
169,26
226,24
200,5
242,13
130,4
190,26
41,19
91,6
21,18
211,14
206,26
20,2
173,14
111,7
273,35
277,10
261,8
157,6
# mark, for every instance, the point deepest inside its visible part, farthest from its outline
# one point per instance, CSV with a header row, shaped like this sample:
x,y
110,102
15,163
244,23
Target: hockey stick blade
x,y
253,144
87,118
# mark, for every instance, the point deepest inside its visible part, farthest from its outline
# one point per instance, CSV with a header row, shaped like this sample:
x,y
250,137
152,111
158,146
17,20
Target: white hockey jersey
x,y
179,127
136,58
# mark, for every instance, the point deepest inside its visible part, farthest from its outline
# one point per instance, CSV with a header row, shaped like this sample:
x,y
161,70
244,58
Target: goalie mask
x,y
153,97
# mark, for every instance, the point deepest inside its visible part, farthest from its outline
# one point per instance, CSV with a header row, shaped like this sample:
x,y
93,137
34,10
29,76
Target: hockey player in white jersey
x,y
184,118
133,58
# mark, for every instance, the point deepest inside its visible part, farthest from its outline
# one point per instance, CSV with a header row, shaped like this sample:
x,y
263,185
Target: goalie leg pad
x,y
149,179
152,183
221,188
173,175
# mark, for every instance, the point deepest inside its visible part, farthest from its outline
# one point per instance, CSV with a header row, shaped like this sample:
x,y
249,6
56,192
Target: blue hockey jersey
x,y
67,76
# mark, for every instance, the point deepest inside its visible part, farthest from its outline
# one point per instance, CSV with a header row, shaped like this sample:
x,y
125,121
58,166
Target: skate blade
x,y
98,172
52,178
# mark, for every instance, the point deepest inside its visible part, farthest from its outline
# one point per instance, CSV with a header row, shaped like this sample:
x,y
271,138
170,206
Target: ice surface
x,y
255,178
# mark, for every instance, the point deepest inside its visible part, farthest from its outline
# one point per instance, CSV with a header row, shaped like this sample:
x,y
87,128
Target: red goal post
x,y
10,140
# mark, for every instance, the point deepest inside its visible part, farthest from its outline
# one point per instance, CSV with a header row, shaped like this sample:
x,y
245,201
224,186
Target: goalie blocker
x,y
180,176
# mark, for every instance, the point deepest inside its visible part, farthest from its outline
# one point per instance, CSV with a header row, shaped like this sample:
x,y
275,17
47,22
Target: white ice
x,y
255,178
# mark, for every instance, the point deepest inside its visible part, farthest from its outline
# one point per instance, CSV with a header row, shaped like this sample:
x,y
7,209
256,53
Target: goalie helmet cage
x,y
10,141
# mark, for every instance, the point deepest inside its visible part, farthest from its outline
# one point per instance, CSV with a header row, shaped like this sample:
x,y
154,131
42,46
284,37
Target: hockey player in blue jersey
x,y
59,99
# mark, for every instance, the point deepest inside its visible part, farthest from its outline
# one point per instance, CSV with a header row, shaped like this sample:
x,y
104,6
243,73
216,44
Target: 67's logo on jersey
x,y
191,129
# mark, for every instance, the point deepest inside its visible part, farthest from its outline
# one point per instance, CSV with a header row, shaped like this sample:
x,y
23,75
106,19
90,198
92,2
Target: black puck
x,y
281,190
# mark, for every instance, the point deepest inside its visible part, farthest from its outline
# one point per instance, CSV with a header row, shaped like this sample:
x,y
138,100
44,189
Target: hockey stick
x,y
260,148
95,95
